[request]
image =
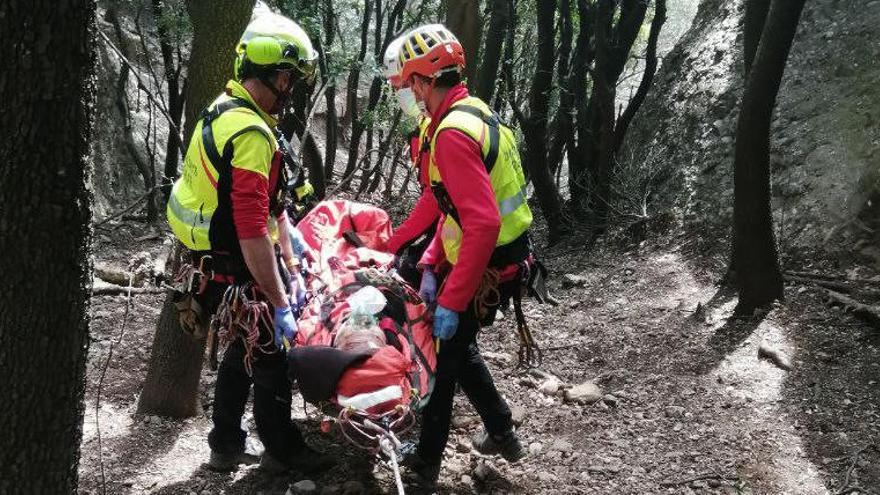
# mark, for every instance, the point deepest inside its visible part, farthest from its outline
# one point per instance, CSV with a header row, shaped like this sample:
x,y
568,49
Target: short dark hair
x,y
448,79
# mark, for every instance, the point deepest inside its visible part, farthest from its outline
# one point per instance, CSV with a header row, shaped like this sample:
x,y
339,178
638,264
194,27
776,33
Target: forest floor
x,y
687,404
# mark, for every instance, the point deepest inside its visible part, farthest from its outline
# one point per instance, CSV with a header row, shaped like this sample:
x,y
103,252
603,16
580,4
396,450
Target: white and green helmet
x,y
273,42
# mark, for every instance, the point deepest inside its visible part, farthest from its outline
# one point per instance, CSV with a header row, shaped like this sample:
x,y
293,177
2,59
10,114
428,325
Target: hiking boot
x,y
422,473
306,460
506,444
225,462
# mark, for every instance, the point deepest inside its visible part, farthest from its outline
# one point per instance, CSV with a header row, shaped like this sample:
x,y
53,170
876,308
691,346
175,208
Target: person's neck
x,y
438,96
263,96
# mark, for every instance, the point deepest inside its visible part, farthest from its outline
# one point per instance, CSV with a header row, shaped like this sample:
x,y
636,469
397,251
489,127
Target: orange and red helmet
x,y
429,51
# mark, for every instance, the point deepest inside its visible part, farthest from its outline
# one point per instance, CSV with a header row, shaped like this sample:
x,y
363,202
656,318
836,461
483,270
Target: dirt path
x,y
688,406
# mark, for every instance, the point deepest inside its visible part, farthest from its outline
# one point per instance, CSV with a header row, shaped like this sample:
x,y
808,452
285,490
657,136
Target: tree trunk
x,y
351,110
647,77
488,76
602,117
594,167
332,121
141,162
217,27
754,250
753,25
463,19
172,384
45,240
581,62
561,134
172,73
535,125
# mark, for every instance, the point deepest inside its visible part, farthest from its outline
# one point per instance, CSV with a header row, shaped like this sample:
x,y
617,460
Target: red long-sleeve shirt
x,y
460,163
250,192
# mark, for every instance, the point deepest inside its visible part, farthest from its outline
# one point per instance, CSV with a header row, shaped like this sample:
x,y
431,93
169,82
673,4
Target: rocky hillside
x,y
825,157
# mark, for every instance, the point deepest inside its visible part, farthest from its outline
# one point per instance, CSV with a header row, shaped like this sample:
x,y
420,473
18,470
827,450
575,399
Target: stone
x,y
562,445
483,472
610,400
518,414
570,281
498,357
775,356
353,488
463,447
550,386
674,412
462,422
585,393
536,448
303,486
331,490
466,480
546,477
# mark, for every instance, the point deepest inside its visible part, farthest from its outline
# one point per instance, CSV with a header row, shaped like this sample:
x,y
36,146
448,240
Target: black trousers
x,y
272,397
460,362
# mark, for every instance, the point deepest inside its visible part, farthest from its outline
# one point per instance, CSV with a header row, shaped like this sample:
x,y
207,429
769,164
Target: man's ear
x,y
283,80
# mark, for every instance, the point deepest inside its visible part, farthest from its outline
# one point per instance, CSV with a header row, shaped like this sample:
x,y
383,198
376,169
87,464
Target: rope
x,y
487,294
240,316
387,447
100,386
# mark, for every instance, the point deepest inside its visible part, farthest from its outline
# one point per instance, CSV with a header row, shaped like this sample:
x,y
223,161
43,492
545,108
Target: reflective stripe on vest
x,y
501,157
195,197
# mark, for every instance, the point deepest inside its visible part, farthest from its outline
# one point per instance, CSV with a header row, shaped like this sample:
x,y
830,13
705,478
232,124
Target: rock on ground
x,y
585,393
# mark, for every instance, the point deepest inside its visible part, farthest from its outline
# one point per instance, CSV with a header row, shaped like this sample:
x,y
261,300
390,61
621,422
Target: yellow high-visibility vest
x,y
500,155
233,127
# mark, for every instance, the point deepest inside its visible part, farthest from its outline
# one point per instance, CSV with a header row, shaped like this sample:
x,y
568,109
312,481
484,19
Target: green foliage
x,y
174,21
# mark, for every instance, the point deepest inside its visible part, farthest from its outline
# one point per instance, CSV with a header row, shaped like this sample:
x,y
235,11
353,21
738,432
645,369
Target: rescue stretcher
x,y
371,394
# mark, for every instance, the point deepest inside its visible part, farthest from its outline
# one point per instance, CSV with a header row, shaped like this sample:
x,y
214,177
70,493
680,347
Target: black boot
x,y
507,445
224,462
306,460
424,473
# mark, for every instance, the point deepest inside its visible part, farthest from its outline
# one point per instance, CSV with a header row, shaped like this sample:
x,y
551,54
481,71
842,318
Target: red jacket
x,y
459,160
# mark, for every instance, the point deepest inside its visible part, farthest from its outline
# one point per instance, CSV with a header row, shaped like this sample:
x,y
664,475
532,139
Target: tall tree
x,y
561,136
463,19
328,16
486,78
534,125
754,248
172,383
753,24
217,27
615,27
647,77
45,239
351,98
126,132
172,63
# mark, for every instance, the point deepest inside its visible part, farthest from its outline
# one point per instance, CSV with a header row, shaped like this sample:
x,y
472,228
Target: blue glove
x,y
285,327
445,323
428,288
297,242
